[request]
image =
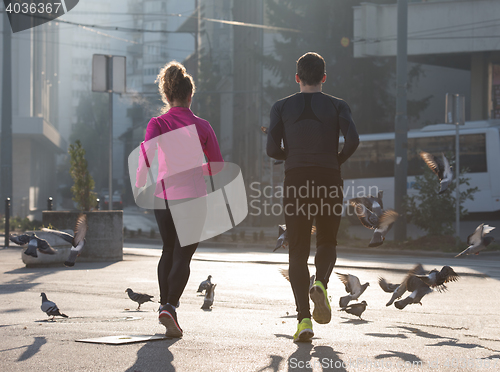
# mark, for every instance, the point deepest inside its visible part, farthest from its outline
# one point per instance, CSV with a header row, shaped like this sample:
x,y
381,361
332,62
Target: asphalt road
x,y
252,321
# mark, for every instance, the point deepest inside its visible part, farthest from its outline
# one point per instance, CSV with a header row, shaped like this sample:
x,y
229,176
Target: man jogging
x,y
304,131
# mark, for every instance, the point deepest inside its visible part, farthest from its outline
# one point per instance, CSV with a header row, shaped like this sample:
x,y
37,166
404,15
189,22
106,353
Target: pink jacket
x,y
190,183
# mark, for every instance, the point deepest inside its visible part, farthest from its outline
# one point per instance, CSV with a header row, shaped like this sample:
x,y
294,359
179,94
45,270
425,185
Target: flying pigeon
x,y
437,279
379,223
284,272
140,298
34,243
50,308
352,286
355,309
477,240
204,284
77,241
408,283
209,297
282,241
441,167
373,203
418,290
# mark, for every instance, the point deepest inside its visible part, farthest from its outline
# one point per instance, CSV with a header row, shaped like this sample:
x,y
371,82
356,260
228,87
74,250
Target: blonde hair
x,y
174,84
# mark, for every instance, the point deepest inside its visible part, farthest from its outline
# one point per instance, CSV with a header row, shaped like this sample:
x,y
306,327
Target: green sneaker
x,y
304,331
322,312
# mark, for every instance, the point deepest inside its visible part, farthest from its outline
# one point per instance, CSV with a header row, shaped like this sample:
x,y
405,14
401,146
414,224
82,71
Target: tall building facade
x,y
36,138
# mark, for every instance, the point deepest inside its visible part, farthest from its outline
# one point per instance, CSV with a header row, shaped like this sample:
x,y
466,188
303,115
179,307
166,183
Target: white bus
x,y
373,162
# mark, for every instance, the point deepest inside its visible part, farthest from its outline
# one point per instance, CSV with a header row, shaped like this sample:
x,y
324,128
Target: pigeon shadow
x,y
420,333
454,342
10,311
29,277
355,321
32,349
386,335
274,364
154,356
406,357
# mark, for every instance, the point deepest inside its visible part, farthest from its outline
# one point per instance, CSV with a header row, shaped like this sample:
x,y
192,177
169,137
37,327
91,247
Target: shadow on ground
x,y
154,356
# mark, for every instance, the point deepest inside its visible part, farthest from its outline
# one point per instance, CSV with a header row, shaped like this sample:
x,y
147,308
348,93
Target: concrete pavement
x,y
253,317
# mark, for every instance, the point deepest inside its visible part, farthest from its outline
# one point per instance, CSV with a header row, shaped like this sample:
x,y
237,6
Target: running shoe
x,y
322,312
168,317
304,331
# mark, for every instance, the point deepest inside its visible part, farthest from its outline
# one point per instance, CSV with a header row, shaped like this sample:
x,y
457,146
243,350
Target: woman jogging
x,y
307,124
178,180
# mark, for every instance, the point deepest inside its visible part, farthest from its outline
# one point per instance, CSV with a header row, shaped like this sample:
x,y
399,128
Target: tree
x,y
84,184
367,84
435,213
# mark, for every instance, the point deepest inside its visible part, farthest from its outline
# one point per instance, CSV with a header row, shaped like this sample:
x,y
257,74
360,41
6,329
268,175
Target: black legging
x,y
299,226
173,267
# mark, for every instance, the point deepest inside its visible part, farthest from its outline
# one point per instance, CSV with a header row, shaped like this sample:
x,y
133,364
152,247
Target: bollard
x,y
98,204
49,203
7,222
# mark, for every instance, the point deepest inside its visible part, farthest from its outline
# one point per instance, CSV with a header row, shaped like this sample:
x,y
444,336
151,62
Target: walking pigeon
x,y
437,279
50,308
441,167
34,243
77,241
285,273
204,284
355,309
209,297
352,286
379,223
478,241
140,298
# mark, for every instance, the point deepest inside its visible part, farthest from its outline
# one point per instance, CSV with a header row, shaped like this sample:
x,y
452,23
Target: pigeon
x,y
437,279
409,282
284,272
50,308
264,130
204,284
77,241
282,241
352,286
418,290
441,167
209,297
34,243
379,223
477,240
355,309
140,298
373,203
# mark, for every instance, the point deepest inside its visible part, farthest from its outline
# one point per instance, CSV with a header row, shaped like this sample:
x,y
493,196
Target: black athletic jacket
x,y
309,125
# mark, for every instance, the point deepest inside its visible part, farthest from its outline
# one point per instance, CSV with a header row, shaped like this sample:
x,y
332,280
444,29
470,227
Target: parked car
x,y
117,201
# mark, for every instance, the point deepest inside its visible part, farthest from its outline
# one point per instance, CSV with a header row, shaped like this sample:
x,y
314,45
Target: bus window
x,y
374,159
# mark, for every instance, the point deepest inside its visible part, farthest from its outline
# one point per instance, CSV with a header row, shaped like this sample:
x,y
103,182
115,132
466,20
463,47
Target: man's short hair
x,y
311,68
